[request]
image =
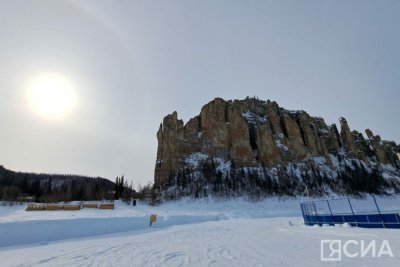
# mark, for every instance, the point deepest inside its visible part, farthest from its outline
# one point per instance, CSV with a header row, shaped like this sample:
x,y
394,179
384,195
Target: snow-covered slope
x,y
241,242
206,206
19,227
188,232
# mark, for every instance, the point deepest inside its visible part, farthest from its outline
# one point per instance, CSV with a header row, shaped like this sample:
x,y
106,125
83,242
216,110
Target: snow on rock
x,y
319,160
195,158
324,131
223,166
293,169
279,142
294,112
252,117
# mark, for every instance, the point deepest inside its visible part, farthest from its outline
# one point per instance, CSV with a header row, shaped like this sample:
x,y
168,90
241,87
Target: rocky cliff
x,y
256,147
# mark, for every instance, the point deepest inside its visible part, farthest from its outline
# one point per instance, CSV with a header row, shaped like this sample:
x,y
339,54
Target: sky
x,y
130,63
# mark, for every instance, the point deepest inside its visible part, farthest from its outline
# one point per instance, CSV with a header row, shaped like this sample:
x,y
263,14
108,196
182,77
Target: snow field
x,y
281,241
203,232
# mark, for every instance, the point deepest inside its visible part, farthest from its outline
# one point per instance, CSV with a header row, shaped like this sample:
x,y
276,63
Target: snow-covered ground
x,y
187,233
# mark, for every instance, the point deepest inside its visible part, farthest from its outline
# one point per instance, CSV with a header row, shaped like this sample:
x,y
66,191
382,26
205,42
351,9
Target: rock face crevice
x,y
257,143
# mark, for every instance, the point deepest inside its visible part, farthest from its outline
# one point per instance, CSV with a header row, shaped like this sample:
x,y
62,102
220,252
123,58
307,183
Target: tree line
x,y
122,190
53,187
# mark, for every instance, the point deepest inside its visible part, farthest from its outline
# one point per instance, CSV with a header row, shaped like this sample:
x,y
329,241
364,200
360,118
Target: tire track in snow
x,y
256,242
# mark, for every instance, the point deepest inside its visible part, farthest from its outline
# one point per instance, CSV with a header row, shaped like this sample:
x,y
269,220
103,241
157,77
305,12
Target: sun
x,y
51,96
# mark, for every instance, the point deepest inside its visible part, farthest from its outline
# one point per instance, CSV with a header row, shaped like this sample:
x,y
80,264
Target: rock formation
x,y
261,144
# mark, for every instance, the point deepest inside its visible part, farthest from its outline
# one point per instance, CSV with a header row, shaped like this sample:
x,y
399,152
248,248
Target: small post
x,y
354,216
379,211
153,219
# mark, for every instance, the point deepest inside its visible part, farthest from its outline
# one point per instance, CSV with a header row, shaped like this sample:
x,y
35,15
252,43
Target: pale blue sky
x,y
133,62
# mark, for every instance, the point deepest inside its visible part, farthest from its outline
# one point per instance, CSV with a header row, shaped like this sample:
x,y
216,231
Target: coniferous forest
x,y
53,187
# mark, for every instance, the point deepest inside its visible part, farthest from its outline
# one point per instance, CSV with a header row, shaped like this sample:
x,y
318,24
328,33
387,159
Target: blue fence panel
x,y
356,212
339,206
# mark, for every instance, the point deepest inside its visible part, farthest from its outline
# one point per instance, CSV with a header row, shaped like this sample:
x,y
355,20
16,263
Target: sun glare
x,y
51,96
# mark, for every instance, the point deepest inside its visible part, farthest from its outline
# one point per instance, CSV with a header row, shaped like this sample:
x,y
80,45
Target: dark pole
x,y
351,207
329,206
380,215
302,212
316,213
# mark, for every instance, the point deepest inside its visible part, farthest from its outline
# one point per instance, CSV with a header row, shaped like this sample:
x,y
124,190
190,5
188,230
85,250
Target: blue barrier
x,y
342,210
